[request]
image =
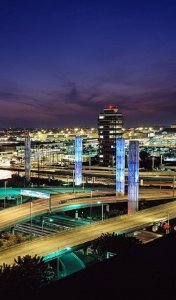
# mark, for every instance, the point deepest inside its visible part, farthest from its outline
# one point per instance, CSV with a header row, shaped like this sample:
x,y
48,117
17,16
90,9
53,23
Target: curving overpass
x,y
57,244
23,212
62,202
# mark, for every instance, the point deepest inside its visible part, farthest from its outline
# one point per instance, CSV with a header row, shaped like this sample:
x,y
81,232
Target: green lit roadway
x,y
22,212
57,244
68,201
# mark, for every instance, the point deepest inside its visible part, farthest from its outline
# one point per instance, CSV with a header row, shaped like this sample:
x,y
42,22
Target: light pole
x,y
42,224
49,203
153,162
173,187
83,183
5,185
102,215
91,207
73,181
161,161
31,217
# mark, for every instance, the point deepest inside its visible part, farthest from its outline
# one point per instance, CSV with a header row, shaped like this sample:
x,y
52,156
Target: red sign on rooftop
x,y
110,106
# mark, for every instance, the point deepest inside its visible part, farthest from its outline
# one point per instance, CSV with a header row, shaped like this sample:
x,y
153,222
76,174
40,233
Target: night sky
x,y
63,61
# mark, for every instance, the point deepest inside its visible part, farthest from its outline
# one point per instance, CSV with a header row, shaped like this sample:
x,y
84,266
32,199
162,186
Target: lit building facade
x,y
110,124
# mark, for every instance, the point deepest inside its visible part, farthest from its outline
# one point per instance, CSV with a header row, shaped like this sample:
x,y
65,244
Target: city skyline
x,y
62,63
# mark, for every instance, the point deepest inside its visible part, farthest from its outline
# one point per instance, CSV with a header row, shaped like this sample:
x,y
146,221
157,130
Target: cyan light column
x,y
78,161
120,166
133,177
27,157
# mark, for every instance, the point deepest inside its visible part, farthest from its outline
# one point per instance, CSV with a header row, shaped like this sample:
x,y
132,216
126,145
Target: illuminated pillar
x,y
78,161
27,157
133,176
120,166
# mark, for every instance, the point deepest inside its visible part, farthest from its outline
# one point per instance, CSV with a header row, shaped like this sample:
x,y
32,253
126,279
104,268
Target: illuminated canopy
x,y
35,194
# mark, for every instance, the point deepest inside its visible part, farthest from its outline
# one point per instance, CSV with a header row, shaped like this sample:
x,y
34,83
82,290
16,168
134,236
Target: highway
x,y
23,212
90,171
69,201
59,243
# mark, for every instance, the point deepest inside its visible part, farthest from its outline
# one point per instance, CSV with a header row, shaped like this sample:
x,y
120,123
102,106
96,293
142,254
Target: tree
x,y
26,273
8,239
111,242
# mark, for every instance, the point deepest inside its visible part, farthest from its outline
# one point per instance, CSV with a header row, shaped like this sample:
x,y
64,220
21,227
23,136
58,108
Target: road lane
x,y
62,202
80,235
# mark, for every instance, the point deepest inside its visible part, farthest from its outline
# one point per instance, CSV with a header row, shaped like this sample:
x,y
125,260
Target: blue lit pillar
x,y
133,176
27,157
120,166
78,161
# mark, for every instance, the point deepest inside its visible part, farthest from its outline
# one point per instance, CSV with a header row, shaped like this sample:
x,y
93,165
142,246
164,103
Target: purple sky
x,y
62,62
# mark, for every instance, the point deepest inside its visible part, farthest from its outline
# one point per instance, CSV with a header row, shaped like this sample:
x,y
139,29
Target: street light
x,y
5,185
161,161
73,181
91,207
102,215
49,203
153,162
31,217
83,183
173,187
43,221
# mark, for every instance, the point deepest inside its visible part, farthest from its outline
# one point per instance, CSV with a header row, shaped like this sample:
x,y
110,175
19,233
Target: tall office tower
x,y
78,161
110,124
133,177
120,166
27,157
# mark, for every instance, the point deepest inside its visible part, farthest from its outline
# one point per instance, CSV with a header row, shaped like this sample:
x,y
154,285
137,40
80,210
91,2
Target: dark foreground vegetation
x,y
145,272
25,275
